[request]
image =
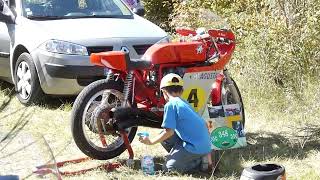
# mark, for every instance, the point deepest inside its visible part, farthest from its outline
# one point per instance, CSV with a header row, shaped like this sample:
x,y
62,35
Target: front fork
x,y
222,79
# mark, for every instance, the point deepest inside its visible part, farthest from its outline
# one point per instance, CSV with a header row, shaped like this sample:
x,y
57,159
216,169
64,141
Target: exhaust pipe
x,y
126,117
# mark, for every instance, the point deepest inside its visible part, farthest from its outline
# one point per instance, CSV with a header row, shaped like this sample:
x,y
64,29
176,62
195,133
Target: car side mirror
x,y
6,15
139,11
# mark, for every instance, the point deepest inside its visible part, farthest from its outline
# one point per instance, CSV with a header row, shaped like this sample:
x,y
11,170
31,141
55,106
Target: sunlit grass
x,y
270,132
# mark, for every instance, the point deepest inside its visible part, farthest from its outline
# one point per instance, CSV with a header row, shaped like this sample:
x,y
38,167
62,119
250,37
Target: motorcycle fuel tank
x,y
176,52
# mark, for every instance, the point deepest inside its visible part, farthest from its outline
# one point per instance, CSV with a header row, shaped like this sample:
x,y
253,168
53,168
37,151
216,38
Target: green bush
x,y
277,42
159,11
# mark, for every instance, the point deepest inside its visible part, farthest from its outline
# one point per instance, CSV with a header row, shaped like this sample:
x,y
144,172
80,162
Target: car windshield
x,y
64,9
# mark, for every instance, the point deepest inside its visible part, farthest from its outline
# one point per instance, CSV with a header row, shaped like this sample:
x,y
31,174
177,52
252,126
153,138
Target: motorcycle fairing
x,y
176,52
225,51
197,88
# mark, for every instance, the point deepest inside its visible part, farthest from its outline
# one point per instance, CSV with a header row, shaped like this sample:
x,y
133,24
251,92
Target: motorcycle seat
x,y
139,64
118,60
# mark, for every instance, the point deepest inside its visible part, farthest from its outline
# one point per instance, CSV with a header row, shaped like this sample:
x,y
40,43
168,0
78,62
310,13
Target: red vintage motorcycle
x,y
130,96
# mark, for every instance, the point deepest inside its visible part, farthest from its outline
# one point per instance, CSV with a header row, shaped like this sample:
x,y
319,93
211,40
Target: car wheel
x,y
27,83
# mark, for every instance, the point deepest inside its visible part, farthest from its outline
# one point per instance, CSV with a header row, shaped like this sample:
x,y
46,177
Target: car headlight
x,y
164,40
63,47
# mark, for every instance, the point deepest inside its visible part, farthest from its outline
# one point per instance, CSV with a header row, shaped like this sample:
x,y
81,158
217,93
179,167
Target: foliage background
x,y
277,58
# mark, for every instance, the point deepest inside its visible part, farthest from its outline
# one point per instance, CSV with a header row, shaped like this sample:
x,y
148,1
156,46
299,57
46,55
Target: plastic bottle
x,y
147,163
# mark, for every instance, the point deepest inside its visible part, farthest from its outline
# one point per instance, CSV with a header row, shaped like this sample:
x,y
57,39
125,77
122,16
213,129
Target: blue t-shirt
x,y
188,125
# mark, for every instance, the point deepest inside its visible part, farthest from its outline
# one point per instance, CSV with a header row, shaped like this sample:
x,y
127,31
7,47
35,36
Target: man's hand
x,y
145,140
165,134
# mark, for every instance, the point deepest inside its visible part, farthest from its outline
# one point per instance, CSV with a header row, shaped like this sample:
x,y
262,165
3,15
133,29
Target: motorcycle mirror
x,y
6,15
201,31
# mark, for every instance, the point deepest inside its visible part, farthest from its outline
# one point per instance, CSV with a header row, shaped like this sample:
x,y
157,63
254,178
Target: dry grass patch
x,y
272,137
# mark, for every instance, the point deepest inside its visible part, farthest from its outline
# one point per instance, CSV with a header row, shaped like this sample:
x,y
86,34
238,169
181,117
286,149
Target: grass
x,y
278,136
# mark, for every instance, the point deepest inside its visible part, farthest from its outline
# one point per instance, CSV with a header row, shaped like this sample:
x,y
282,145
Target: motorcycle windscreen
x,y
225,123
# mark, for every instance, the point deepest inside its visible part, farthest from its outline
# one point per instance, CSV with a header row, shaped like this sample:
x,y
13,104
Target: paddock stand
x,y
54,167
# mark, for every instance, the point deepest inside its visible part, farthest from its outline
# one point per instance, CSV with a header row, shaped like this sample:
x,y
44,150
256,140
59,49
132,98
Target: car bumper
x,y
61,74
73,72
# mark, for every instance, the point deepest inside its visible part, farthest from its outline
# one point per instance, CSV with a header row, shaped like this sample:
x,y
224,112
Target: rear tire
x,y
77,121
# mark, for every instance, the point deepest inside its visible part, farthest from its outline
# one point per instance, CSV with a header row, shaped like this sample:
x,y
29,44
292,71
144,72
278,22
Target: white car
x,y
45,48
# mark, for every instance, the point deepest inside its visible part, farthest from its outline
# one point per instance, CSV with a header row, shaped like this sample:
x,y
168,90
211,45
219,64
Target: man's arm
x,y
165,134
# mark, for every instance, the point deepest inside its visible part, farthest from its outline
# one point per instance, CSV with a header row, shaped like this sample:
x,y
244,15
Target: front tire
x,y
231,95
27,83
78,121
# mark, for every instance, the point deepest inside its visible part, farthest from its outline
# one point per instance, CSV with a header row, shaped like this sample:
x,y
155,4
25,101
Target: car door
x,y
4,51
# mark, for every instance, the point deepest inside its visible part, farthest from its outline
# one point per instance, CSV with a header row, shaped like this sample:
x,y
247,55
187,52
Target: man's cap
x,y
171,79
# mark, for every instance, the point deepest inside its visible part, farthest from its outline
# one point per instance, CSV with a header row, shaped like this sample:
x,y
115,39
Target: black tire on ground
x,y
77,115
36,94
264,172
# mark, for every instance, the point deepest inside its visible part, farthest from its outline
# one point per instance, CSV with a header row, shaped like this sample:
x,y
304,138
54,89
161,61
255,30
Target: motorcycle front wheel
x,y
231,95
84,130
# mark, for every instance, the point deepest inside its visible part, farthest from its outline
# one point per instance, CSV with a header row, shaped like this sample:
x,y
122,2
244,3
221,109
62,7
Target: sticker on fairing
x,y
225,123
197,88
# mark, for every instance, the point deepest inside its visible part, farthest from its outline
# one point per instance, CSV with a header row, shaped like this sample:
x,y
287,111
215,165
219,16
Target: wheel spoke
x,y
24,67
19,73
28,88
105,98
27,75
19,85
24,93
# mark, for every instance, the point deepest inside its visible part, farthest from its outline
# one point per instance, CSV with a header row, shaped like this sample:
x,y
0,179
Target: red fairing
x,y
178,52
226,51
186,32
216,90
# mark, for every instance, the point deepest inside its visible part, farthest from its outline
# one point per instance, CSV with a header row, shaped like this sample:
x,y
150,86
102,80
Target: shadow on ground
x,y
261,148
50,102
8,90
54,103
159,160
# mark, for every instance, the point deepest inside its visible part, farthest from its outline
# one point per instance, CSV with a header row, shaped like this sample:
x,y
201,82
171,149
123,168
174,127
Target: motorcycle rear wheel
x,y
89,98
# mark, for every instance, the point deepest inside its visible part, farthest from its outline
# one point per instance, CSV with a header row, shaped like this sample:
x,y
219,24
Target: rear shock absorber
x,y
105,95
127,87
110,75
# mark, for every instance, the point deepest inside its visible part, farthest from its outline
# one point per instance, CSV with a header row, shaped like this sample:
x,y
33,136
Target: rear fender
x,y
116,60
216,90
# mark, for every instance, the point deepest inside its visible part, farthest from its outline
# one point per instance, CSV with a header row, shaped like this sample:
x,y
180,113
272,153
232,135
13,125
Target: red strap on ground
x,y
50,168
